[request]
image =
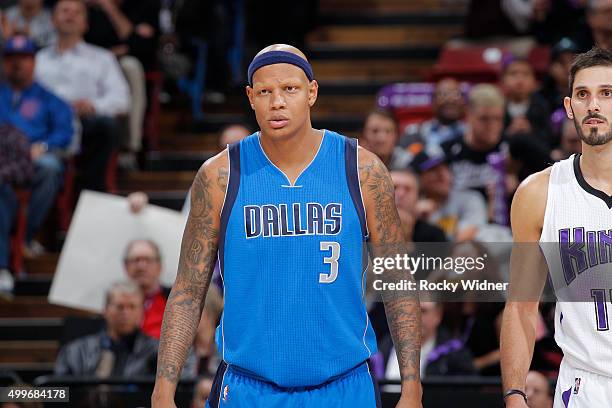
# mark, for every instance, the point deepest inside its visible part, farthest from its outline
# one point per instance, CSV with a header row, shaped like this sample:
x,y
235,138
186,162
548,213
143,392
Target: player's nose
x,y
277,101
593,105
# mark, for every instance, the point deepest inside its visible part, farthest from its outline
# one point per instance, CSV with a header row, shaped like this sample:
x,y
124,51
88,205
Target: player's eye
x,y
264,92
581,94
606,93
291,88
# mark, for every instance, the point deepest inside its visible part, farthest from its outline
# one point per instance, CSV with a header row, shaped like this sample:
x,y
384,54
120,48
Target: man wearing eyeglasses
x,y
142,263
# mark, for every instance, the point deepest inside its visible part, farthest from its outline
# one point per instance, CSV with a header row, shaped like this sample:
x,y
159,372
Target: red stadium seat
x,y
472,64
410,115
539,58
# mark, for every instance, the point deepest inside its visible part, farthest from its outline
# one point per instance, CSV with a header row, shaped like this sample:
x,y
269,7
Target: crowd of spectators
x,y
74,81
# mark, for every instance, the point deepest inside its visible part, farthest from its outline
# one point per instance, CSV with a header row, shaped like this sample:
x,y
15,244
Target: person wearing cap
x,y
287,211
45,119
459,213
90,79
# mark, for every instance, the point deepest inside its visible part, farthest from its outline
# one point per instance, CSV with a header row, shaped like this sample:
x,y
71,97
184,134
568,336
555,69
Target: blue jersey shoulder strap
x,y
233,183
352,178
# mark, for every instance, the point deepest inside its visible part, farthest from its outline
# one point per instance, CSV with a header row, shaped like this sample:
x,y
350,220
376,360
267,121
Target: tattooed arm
x,y
386,240
196,264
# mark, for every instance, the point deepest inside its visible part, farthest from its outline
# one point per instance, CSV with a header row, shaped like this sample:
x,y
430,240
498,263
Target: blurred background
x,y
461,99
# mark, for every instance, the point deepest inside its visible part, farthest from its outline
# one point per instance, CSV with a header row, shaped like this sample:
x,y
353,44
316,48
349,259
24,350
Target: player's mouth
x,y
593,121
279,122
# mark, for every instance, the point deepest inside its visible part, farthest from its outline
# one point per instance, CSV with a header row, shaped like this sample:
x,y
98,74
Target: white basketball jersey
x,y
577,243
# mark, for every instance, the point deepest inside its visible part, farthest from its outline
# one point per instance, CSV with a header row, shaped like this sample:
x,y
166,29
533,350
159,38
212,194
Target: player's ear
x,y
567,104
313,92
249,92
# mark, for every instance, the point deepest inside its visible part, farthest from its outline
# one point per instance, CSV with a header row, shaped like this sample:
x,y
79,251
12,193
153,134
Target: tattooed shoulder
x,y
214,174
378,195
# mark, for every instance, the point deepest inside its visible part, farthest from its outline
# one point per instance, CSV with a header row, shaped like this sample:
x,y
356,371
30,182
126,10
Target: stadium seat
x,y
539,58
472,64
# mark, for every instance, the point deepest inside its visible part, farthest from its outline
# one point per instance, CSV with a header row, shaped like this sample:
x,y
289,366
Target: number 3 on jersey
x,y
332,260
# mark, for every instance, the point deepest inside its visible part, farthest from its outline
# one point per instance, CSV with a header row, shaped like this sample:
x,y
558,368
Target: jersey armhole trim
x,y
233,184
549,202
351,156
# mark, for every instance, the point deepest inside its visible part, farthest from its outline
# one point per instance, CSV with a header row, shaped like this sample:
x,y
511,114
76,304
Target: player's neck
x,y
596,166
293,153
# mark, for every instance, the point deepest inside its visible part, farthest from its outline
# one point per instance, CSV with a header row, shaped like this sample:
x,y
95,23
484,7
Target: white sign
x,y
92,256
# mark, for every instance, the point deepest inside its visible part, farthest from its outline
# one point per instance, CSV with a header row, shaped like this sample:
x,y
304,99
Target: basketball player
x,y
288,209
569,204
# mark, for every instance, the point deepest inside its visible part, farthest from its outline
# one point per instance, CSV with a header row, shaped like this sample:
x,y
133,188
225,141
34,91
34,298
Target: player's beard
x,y
594,138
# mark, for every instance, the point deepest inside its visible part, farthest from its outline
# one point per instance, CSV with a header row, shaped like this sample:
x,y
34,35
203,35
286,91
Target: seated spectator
x,y
537,389
498,24
15,171
201,391
486,19
448,107
130,30
476,159
459,213
46,120
406,198
380,135
570,141
599,26
526,111
125,27
121,349
441,354
556,82
31,18
527,155
143,265
557,19
89,78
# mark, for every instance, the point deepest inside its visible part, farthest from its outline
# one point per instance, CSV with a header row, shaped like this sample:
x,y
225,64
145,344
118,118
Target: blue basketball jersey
x,y
293,262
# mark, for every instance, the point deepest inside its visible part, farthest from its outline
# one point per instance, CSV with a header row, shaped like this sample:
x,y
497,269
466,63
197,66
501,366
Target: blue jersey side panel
x,y
293,266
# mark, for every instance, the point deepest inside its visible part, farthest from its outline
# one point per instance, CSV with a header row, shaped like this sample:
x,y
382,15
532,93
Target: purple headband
x,y
279,57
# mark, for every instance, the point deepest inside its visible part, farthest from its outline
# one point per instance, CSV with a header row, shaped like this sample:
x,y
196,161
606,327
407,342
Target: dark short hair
x,y
595,57
516,60
385,113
